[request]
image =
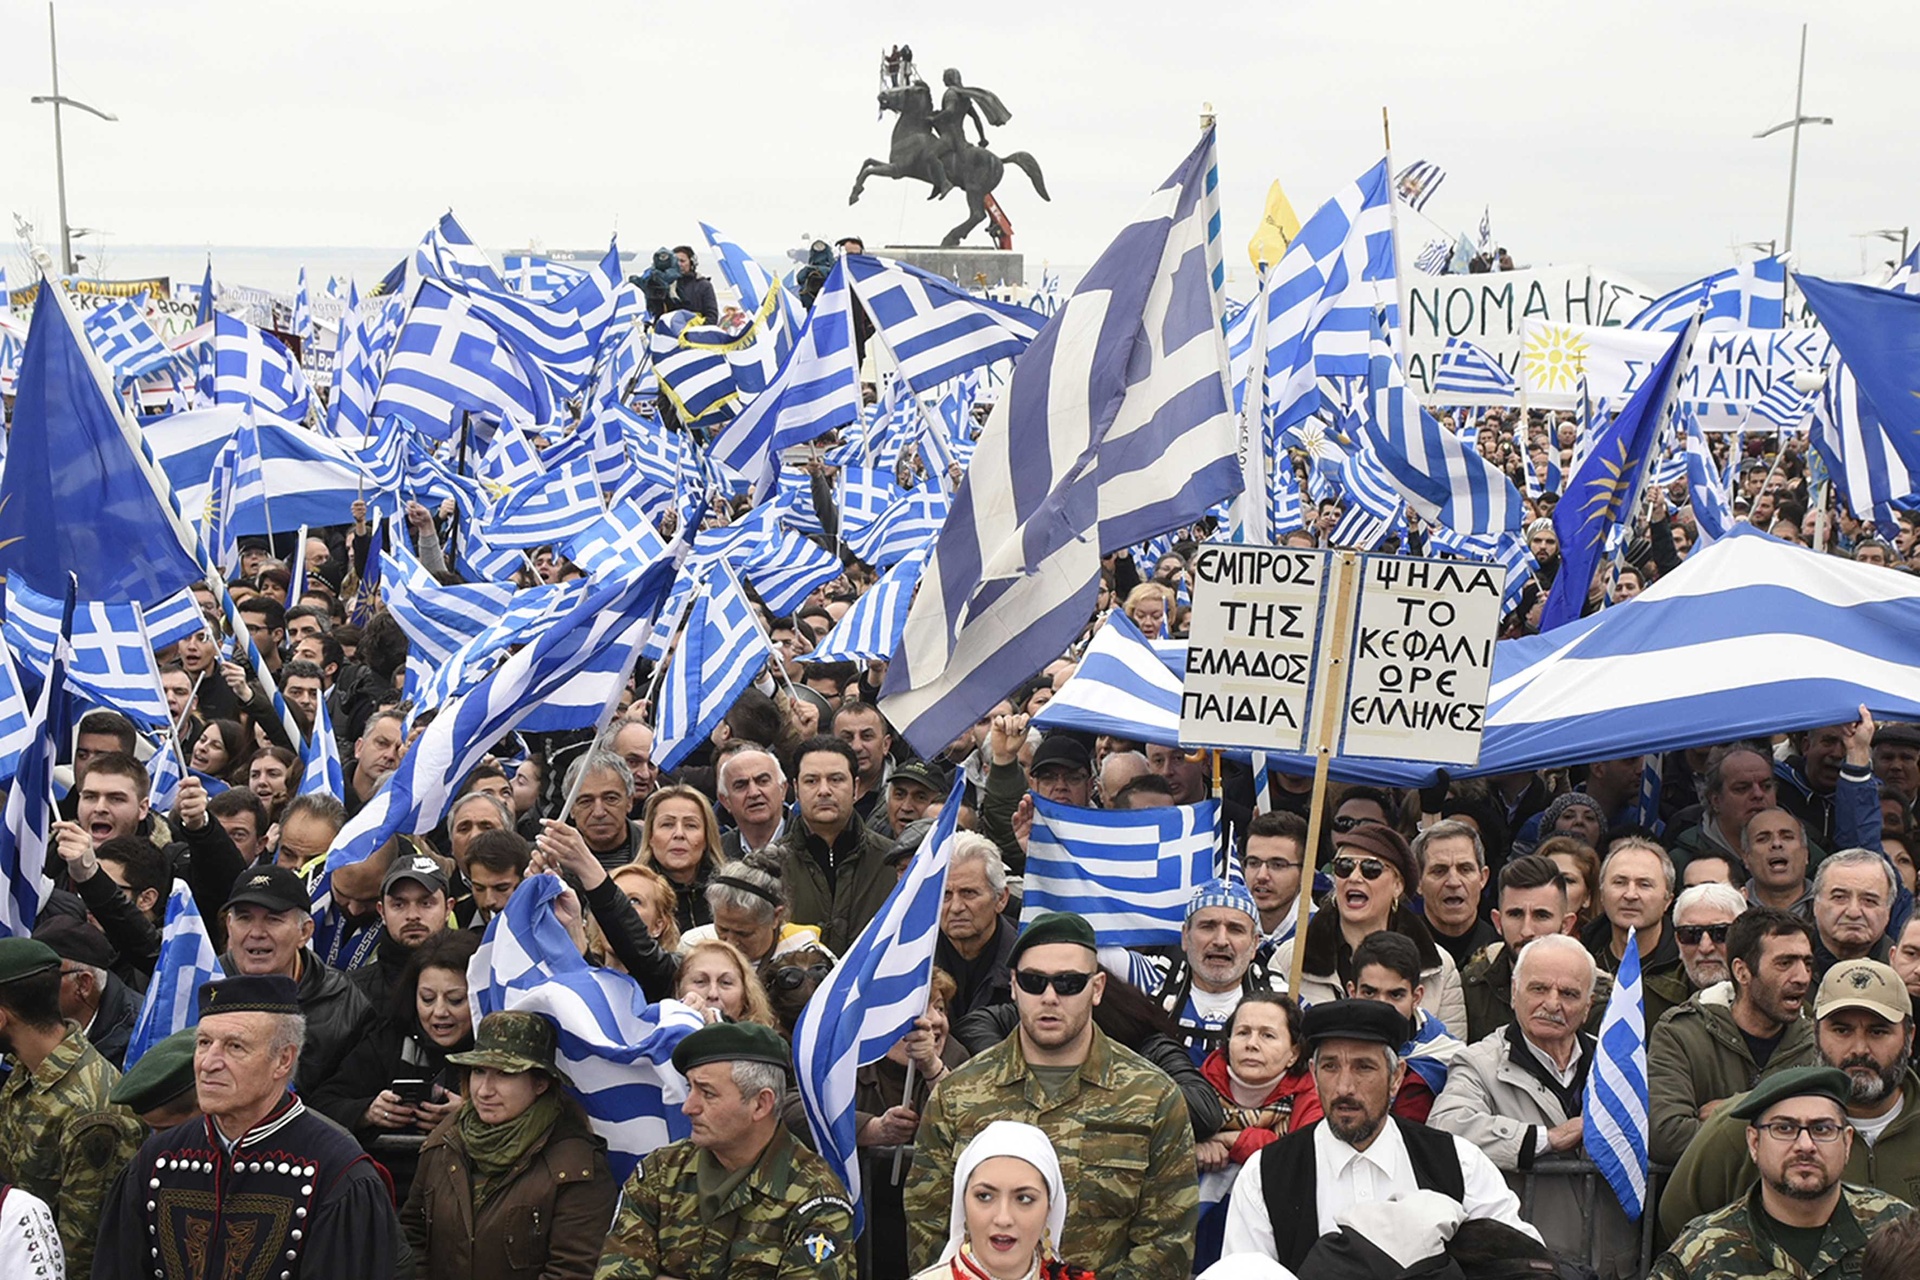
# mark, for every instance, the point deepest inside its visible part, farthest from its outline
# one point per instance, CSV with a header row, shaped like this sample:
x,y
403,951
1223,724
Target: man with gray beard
x,y
1864,1026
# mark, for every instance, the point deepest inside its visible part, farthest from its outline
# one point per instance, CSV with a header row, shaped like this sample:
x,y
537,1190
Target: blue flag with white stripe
x,y
615,1047
125,339
447,252
251,367
1877,334
320,771
785,570
25,842
436,617
908,525
1783,406
933,329
1122,683
187,959
1706,490
722,651
870,1000
16,719
112,663
1131,872
553,507
1617,1128
1468,369
871,628
447,360
1752,295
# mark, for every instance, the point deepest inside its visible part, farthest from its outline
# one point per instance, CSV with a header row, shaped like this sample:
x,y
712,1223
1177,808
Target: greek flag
x,y
532,609
356,377
251,367
1129,872
750,280
1468,369
1752,295
817,390
1616,1102
16,722
908,525
1132,371
1706,488
554,507
1122,682
415,797
1435,258
722,651
447,360
622,541
437,618
302,311
1442,479
173,619
787,569
1537,483
793,494
934,330
1783,406
1284,502
1416,183
872,627
187,959
320,771
111,661
1852,439
509,462
870,1000
24,842
165,773
695,374
447,252
122,337
616,1049
538,279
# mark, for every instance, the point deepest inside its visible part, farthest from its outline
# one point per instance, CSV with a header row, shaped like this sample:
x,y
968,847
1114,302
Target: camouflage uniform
x,y
1726,1242
62,1140
788,1219
1121,1131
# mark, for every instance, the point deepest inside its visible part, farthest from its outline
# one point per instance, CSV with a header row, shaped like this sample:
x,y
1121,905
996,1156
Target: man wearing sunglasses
x,y
1730,1036
1118,1124
1799,1219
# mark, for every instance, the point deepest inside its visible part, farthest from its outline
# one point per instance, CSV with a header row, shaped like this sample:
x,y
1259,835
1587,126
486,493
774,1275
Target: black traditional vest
x,y
1289,1182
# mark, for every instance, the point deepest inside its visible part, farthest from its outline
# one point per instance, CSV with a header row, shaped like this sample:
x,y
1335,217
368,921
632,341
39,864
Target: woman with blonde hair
x,y
1147,607
717,982
680,839
654,901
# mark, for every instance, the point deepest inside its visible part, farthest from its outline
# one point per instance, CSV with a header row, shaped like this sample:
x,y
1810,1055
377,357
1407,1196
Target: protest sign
x,y
1251,644
1489,309
1729,372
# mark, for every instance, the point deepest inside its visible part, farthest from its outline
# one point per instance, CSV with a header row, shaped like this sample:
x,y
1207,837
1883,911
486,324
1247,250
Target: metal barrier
x,y
1597,1186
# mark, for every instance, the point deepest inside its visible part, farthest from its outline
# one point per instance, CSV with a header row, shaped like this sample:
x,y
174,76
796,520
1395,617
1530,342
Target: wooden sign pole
x,y
1332,699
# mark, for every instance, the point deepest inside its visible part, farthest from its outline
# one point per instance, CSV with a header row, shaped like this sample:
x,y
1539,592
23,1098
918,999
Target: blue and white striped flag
x,y
1752,295
691,362
554,507
1647,807
187,959
447,252
24,840
112,663
1468,369
1706,489
447,360
251,367
616,1048
1123,684
1852,438
909,524
124,339
537,278
509,462
623,541
870,1000
722,651
437,618
872,627
320,771
1436,257
1783,406
415,797
817,390
1133,370
1285,512
16,718
1442,479
934,330
1416,183
302,310
1131,872
787,569
1617,1126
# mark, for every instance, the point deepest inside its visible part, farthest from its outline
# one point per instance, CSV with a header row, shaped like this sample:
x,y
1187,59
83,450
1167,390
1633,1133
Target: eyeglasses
x,y
1279,866
792,977
1690,934
1348,821
1821,1131
1369,868
1071,983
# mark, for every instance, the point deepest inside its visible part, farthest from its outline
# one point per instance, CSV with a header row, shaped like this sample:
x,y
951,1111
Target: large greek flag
x,y
1752,295
1122,684
187,959
1615,1135
1129,872
616,1048
1131,372
870,1000
933,329
556,506
251,367
447,252
447,360
112,663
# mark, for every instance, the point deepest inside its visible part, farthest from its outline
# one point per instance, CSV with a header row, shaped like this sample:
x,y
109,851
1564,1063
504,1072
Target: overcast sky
x,y
1617,134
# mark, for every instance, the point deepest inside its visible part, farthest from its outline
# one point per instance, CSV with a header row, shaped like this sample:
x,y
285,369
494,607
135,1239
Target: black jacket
x,y
338,1018
113,1021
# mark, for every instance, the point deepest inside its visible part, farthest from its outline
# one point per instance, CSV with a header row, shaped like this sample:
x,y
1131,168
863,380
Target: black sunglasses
x,y
1370,868
1692,933
1071,983
790,977
1348,821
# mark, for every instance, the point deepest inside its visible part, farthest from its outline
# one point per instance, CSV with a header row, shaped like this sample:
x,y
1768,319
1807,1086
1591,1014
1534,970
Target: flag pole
x,y
1393,223
1333,696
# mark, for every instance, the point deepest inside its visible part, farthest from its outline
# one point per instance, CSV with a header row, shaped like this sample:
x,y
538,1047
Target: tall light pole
x,y
1799,118
59,150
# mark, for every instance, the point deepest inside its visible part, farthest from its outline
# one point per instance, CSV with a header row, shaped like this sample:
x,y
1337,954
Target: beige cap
x,y
1863,984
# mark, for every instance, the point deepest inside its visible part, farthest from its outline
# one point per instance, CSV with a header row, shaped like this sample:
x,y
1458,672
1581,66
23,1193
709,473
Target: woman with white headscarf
x,y
1009,1210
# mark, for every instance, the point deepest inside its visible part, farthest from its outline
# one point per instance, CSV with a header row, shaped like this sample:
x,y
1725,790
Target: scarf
x,y
493,1149
964,1266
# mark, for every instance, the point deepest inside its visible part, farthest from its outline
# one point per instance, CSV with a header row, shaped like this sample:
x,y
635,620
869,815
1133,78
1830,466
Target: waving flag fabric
x,y
1130,872
112,662
447,360
25,843
1706,490
1467,369
556,506
251,367
872,627
788,569
722,651
123,337
1616,1134
447,252
187,960
1750,296
320,771
908,525
933,329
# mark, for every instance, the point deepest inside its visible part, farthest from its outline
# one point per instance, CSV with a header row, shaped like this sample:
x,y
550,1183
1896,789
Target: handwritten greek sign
x,y
1252,639
1421,660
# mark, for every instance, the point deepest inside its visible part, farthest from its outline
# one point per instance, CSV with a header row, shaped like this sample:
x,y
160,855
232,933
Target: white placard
x,y
1252,638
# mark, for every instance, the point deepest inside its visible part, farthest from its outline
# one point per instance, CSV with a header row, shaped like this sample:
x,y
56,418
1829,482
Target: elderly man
x,y
1289,1196
1636,886
740,1199
1701,916
1773,846
60,1137
602,787
1799,1219
753,790
1863,1025
92,996
1729,1036
1853,894
1739,783
268,929
1518,1094
915,789
1452,865
835,866
258,1185
1118,1124
1532,904
1203,987
976,938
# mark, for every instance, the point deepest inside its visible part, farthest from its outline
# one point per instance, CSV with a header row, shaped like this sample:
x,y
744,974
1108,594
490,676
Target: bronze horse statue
x,y
919,154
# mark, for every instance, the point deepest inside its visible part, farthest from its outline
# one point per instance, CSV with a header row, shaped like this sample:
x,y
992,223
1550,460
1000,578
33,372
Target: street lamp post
x,y
57,100
1799,118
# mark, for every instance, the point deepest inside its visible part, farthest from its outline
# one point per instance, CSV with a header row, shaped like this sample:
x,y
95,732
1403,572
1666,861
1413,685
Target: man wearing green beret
x,y
1118,1124
159,1087
740,1199
60,1137
1800,1219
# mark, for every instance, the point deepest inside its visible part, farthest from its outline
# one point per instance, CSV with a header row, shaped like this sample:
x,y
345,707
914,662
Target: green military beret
x,y
731,1042
23,957
1800,1082
1054,926
162,1074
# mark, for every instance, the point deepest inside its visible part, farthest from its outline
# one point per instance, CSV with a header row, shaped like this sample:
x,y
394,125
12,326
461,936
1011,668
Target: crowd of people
x,y
1066,1107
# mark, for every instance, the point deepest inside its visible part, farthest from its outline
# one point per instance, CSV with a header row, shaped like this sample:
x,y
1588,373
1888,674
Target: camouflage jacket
x,y
62,1140
1726,1243
789,1218
1121,1131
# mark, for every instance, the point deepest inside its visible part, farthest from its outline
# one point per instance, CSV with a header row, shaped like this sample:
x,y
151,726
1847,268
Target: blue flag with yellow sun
x,y
1603,488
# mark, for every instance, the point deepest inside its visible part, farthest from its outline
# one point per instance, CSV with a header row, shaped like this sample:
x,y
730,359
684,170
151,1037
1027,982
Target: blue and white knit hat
x,y
1223,893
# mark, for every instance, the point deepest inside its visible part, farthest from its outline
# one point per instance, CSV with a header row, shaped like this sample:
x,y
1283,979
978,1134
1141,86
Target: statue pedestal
x,y
973,268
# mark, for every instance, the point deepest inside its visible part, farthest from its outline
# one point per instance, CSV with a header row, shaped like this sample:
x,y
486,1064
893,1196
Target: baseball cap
x,y
272,887
1863,984
417,867
1061,748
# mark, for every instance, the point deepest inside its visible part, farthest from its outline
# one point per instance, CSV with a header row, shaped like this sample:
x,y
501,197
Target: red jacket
x,y
1294,1096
